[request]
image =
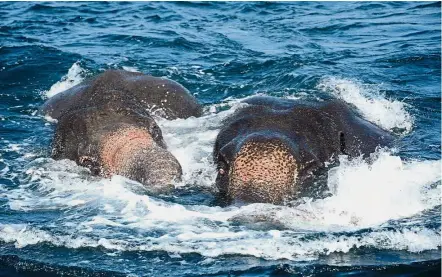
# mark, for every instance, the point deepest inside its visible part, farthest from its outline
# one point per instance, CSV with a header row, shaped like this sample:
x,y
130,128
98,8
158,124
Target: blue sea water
x,y
384,215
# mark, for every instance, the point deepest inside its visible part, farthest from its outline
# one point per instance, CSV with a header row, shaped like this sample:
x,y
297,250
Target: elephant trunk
x,y
133,153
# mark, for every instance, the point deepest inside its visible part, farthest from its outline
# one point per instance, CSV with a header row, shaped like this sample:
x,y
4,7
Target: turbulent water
x,y
383,215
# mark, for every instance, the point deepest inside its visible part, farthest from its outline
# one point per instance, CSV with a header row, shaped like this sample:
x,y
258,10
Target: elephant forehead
x,y
119,146
266,170
264,161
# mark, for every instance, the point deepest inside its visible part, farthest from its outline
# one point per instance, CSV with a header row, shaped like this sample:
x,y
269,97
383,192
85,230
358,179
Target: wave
x,y
131,68
74,76
13,265
272,245
387,113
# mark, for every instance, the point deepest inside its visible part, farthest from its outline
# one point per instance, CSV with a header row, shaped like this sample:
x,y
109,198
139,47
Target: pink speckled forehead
x,y
121,145
263,172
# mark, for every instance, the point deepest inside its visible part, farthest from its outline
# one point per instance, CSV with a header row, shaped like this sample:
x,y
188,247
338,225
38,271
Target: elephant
x,y
273,149
107,124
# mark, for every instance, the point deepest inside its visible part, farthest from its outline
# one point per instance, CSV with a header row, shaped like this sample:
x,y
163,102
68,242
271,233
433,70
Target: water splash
x,y
367,194
388,114
74,76
131,68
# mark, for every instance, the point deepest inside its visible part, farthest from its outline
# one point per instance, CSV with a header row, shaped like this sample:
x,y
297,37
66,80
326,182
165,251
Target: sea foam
x,y
74,76
388,113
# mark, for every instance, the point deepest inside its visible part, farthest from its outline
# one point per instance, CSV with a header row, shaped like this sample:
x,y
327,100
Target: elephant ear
x,y
228,151
68,134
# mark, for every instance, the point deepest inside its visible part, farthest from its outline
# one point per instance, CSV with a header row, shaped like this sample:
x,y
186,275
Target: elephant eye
x,y
222,166
155,132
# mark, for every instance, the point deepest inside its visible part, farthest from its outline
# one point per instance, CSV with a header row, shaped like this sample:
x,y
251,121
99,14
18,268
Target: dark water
x,y
383,219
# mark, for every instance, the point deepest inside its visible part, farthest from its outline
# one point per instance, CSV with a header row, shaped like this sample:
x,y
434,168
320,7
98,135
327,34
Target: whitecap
x,y
131,68
74,76
389,114
290,245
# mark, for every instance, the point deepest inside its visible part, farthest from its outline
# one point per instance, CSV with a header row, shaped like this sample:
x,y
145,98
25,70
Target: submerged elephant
x,y
272,149
106,124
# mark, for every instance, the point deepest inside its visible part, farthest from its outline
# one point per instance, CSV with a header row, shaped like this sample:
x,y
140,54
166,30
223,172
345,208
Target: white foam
x,y
14,147
388,114
191,142
50,119
289,246
369,194
74,76
131,69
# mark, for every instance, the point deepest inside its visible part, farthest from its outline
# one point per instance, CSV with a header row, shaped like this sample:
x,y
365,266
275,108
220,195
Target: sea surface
x,y
383,217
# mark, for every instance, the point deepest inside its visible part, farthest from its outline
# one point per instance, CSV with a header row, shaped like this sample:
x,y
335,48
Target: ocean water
x,y
384,214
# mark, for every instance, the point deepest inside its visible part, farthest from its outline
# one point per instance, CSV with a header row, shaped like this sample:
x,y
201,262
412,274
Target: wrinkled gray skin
x,y
94,118
294,139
